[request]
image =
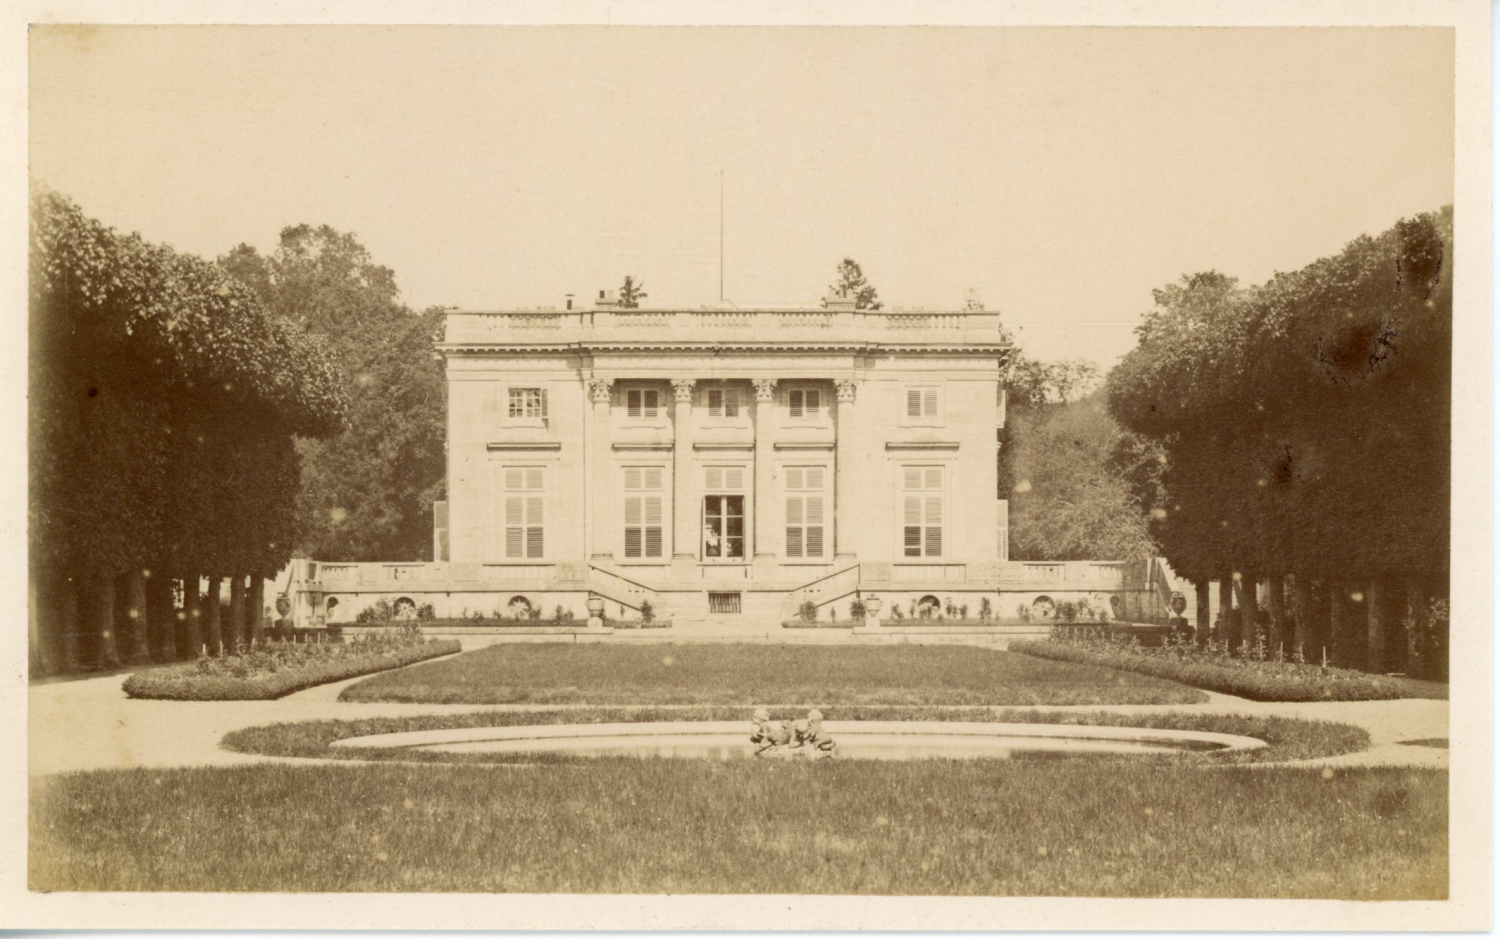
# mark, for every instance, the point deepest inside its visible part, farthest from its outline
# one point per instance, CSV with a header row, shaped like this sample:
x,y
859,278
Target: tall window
x,y
922,402
724,512
523,512
803,403
723,402
922,511
643,527
527,403
642,402
804,512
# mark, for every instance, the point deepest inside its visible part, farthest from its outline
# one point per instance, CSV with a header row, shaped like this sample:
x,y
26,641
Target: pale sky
x,y
1064,173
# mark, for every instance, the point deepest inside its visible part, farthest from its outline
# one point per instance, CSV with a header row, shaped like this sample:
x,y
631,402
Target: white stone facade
x,y
712,460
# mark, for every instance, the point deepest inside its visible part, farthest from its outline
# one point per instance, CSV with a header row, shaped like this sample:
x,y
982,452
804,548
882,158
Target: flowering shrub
x,y
1258,672
274,669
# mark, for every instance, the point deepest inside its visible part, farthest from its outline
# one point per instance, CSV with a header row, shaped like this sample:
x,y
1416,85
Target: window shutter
x,y
934,526
633,511
653,477
632,478
911,478
815,477
513,511
534,478
715,403
533,510
544,402
632,542
794,404
934,478
929,402
731,402
713,478
794,510
513,479
811,403
633,404
794,478
534,542
734,478
513,542
653,542
652,509
913,402
648,404
814,515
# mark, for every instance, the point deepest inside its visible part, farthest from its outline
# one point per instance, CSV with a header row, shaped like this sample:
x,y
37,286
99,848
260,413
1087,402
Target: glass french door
x,y
723,526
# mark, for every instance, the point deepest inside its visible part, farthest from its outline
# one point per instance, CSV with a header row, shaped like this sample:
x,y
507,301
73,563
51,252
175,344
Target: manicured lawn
x,y
1286,738
1076,828
548,673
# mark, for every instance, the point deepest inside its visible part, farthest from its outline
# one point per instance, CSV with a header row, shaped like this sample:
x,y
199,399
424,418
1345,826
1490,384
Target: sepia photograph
x,y
550,465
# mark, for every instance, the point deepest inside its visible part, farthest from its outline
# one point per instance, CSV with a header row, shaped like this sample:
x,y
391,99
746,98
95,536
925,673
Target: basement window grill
x,y
723,603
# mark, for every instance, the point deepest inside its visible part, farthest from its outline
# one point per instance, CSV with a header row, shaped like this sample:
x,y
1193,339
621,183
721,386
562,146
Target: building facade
x,y
723,462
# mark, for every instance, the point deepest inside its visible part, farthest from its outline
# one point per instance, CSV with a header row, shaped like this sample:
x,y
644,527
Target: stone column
x,y
846,489
765,498
685,519
600,536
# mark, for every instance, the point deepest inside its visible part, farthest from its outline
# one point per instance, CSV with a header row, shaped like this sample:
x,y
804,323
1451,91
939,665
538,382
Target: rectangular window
x,y
642,403
805,525
527,403
922,402
523,512
723,526
803,403
643,512
922,511
723,402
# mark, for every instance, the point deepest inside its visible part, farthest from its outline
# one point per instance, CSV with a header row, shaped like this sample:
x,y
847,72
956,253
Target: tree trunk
x,y
161,618
46,611
237,636
67,621
255,605
1250,629
1280,636
1303,635
1226,630
190,627
135,645
1339,614
96,613
212,636
1375,625
1204,613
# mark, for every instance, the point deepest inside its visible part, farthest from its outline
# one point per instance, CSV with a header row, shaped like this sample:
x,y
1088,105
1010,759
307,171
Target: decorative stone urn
x,y
596,612
872,612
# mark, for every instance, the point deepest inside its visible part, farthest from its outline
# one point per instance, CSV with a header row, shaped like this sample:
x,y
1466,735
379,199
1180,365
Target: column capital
x,y
846,388
599,389
765,389
682,389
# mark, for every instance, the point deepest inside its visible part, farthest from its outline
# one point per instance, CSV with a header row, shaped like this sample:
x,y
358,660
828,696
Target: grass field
x,y
629,826
1286,738
547,673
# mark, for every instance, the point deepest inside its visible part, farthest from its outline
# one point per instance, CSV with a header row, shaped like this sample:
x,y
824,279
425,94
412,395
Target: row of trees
x,y
1306,429
163,405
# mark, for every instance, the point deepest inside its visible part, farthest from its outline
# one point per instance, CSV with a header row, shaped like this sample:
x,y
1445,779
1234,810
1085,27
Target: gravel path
x,y
91,724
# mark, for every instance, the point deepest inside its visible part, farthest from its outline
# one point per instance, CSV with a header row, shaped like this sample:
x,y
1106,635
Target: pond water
x,y
858,740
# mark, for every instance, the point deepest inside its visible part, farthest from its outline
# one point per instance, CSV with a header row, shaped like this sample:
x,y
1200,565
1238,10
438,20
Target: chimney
x,y
838,300
570,301
607,300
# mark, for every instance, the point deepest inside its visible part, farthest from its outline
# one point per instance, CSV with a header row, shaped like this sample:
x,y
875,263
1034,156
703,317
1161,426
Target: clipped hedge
x,y
190,683
1245,678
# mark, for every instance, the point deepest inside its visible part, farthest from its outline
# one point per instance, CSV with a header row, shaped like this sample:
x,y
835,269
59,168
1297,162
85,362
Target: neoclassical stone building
x,y
725,461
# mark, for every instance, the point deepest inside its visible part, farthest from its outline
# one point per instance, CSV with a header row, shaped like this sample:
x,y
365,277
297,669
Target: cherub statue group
x,y
791,739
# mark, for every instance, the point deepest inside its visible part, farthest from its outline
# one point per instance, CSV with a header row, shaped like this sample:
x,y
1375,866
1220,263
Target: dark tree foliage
x,y
851,280
148,366
632,293
366,494
1306,421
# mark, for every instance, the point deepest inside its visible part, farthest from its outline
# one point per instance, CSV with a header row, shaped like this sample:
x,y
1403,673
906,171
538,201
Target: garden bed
x,y
511,622
278,669
1215,670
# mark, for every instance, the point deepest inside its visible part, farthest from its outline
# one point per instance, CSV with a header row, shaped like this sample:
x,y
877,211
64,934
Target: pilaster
x,y
685,513
766,504
600,491
845,471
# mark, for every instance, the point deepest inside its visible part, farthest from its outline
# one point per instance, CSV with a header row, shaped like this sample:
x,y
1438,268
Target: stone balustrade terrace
x,y
720,325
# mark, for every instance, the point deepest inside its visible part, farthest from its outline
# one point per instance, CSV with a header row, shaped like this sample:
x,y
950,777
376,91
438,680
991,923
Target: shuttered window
x,y
922,511
723,402
721,478
805,522
523,512
642,402
803,403
527,403
643,511
922,402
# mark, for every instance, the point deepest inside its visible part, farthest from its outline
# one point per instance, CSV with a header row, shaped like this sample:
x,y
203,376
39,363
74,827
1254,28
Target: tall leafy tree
x,y
852,281
368,493
632,292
